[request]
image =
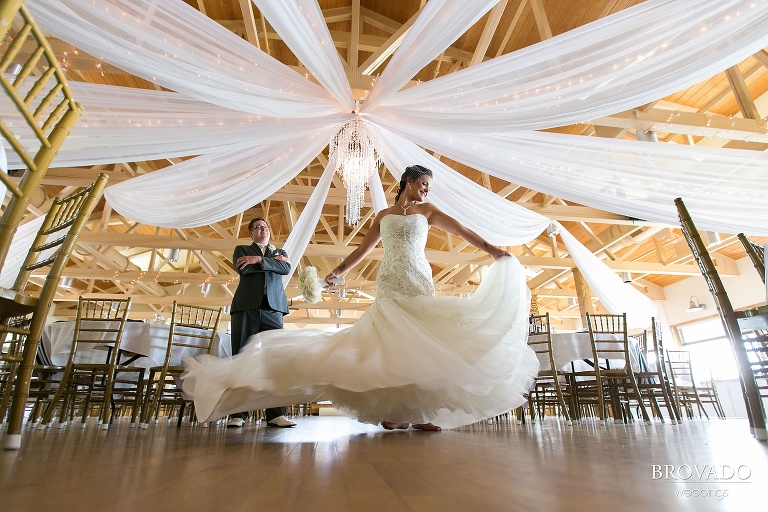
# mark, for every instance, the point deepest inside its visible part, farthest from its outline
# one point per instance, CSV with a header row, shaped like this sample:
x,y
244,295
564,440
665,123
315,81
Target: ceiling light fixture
x,y
354,156
552,230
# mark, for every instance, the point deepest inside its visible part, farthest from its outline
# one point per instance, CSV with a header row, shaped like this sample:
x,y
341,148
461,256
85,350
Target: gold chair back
x,y
755,412
756,254
191,327
610,341
39,105
70,213
547,381
757,350
10,357
99,325
687,391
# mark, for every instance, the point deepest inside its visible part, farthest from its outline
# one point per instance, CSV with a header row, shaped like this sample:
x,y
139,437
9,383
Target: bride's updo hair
x,y
412,173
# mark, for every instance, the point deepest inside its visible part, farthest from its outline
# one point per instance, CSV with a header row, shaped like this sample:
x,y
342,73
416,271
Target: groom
x,y
259,302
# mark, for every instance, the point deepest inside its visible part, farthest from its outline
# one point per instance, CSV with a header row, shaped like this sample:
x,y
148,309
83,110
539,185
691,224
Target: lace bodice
x,y
404,271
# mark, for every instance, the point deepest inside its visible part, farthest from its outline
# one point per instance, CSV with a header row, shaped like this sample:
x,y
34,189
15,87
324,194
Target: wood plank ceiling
x,y
120,256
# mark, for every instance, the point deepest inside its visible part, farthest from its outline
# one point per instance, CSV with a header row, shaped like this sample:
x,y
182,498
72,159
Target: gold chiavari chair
x,y
752,401
192,327
653,382
756,254
757,350
40,107
99,325
610,342
52,247
10,357
549,387
687,392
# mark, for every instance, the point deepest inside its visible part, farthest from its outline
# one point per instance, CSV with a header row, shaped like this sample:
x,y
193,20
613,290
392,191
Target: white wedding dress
x,y
411,357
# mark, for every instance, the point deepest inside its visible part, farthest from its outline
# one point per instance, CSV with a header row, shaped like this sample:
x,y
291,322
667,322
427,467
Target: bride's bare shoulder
x,y
383,213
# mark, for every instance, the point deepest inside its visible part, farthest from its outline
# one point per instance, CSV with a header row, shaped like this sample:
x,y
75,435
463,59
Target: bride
x,y
412,358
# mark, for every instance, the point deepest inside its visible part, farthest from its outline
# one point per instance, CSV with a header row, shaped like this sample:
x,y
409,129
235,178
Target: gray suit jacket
x,y
255,279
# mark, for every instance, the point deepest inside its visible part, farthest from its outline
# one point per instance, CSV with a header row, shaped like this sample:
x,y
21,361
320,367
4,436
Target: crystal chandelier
x,y
354,156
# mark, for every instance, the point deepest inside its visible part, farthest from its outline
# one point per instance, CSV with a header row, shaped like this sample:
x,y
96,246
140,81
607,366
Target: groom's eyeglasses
x,y
260,228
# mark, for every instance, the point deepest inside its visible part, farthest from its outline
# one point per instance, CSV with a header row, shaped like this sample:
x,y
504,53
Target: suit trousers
x,y
244,325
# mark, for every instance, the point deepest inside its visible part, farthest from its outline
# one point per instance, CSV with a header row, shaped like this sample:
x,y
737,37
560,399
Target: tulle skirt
x,y
447,360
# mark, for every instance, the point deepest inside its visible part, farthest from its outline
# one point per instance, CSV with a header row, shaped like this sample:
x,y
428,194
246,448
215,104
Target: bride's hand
x,y
498,253
329,280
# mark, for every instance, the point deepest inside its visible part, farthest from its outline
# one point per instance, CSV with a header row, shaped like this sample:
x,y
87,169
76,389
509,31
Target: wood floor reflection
x,y
336,464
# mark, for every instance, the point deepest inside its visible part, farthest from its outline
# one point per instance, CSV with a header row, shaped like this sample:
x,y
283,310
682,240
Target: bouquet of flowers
x,y
310,285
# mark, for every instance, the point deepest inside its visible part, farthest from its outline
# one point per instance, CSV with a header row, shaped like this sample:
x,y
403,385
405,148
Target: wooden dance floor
x,y
335,464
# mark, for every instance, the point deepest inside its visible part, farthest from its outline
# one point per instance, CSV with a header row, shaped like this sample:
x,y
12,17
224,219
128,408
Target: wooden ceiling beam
x,y
387,47
488,32
542,22
702,125
251,34
354,43
741,92
511,27
726,267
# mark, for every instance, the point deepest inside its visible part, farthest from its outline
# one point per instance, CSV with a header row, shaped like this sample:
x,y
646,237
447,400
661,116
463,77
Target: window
x,y
711,354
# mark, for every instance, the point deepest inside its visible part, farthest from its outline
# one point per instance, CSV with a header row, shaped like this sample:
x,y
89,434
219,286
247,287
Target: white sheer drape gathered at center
x,y
253,123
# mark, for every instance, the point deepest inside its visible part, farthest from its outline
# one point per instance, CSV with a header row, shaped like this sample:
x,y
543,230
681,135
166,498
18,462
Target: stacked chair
x,y
193,328
752,400
550,386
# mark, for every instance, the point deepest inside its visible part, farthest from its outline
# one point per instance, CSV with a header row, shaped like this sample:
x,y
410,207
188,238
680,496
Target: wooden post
x,y
583,295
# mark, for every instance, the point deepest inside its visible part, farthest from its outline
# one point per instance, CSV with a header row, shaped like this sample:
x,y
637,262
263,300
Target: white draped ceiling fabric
x,y
253,123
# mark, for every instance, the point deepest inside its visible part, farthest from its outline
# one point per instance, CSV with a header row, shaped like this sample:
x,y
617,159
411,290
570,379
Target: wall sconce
x,y
66,282
626,277
205,288
173,256
712,238
694,305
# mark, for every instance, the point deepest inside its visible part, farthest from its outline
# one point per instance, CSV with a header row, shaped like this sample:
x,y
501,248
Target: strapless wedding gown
x,y
412,357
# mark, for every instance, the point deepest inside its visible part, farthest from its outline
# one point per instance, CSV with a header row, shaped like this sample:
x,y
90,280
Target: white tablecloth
x,y
576,346
148,340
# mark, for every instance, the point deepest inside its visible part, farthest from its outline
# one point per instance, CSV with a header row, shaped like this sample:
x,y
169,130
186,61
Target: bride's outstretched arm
x,y
454,227
369,241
